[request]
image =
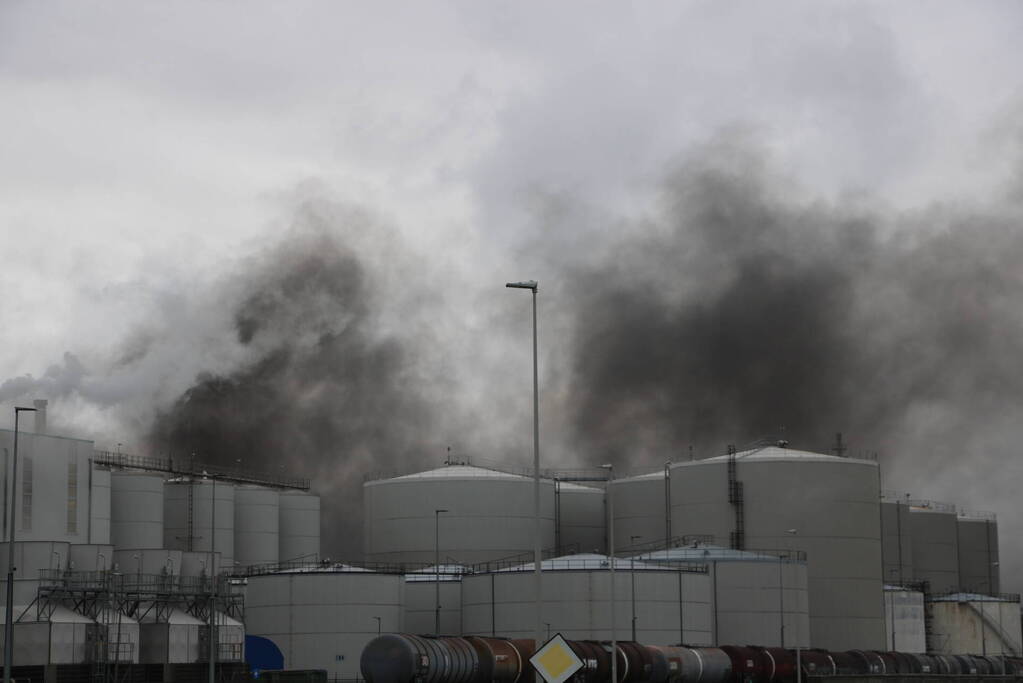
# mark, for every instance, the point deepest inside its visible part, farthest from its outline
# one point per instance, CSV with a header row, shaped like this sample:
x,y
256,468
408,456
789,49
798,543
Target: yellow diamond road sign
x,y
555,661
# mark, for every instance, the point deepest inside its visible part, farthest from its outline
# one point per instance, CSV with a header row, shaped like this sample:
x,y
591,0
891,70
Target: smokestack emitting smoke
x,y
742,309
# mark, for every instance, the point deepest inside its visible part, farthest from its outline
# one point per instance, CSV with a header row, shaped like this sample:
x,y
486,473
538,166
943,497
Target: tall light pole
x,y
436,567
611,556
532,285
213,576
9,617
632,571
799,663
891,602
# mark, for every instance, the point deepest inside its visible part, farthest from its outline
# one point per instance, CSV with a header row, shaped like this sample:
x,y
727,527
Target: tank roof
x,y
457,472
706,553
584,561
448,572
776,453
569,486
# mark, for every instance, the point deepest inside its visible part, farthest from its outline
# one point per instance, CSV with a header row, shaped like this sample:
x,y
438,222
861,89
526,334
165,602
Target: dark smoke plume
x,y
325,394
746,311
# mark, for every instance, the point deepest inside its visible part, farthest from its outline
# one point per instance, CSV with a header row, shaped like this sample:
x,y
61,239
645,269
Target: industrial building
x,y
124,561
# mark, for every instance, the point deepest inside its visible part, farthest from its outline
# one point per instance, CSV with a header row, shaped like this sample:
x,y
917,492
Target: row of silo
x,y
253,524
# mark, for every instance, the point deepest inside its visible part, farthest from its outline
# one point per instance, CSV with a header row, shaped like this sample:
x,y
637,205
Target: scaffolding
x,y
193,469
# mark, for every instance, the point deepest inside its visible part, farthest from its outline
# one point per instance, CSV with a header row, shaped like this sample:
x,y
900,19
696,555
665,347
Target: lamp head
x,y
526,284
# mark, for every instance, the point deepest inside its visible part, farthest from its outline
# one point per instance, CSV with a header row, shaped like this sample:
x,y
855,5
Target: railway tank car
x,y
405,658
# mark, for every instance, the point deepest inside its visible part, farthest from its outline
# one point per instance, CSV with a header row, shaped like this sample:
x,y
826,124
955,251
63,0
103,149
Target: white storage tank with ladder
x,y
188,516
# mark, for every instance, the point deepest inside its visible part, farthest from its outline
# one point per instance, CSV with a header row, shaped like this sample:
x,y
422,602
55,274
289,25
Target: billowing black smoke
x,y
745,311
325,394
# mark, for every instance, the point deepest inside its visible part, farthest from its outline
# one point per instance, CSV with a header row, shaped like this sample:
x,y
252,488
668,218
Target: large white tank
x,y
978,552
256,525
672,606
897,539
640,509
299,526
580,517
489,515
933,530
419,608
99,506
136,509
823,505
979,624
751,593
90,557
176,517
323,619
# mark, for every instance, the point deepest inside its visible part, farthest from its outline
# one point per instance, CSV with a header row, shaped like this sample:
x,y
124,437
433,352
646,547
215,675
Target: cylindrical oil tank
x,y
90,557
580,517
187,502
641,509
489,515
299,526
752,591
935,547
324,619
978,552
822,505
897,539
421,595
672,605
99,505
136,509
256,525
696,664
967,622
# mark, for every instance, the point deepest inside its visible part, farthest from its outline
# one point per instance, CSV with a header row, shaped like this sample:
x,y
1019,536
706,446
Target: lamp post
x,y
436,567
611,556
213,577
537,559
632,571
799,663
9,617
891,609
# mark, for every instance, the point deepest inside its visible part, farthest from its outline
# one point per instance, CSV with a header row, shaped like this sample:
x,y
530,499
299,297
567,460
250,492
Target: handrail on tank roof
x,y
553,474
992,597
188,468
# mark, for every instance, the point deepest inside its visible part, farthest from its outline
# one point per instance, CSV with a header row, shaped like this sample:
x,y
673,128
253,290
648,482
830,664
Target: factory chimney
x,y
40,406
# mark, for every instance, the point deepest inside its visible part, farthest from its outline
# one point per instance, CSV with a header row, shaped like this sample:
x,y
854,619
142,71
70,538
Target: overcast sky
x,y
158,158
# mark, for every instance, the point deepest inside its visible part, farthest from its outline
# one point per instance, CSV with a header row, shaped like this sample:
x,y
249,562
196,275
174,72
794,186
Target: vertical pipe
x,y
681,621
9,621
667,505
537,559
781,601
213,576
611,557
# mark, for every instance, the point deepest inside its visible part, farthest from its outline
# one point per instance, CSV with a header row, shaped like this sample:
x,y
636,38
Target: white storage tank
x,y
580,517
672,605
421,595
90,557
978,624
136,509
641,509
99,505
299,526
323,618
489,515
177,534
904,620
978,552
822,505
934,534
897,539
751,593
256,525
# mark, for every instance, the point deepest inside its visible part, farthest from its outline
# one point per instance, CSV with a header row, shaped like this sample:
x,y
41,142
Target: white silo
x,y
933,530
979,624
488,515
256,525
136,509
781,499
671,605
299,526
90,557
322,618
641,509
897,539
751,593
99,505
905,629
423,594
978,552
188,516
580,515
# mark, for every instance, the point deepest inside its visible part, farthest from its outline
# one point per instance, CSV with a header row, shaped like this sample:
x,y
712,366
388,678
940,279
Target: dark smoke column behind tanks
x,y
745,311
324,394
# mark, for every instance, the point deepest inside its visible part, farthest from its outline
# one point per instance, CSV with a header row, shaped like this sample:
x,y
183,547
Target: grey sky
x,y
154,151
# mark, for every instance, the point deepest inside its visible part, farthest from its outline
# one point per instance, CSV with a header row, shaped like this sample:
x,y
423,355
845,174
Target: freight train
x,y
405,658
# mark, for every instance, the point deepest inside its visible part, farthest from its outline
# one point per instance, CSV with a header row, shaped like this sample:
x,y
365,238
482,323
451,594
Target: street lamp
x,y
799,663
632,570
611,556
213,575
9,617
533,287
436,566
